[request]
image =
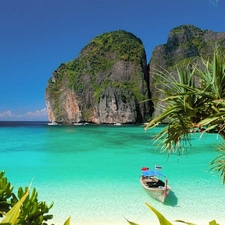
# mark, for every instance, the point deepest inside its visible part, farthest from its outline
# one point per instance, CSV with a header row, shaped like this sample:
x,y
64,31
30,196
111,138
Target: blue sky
x,y
38,35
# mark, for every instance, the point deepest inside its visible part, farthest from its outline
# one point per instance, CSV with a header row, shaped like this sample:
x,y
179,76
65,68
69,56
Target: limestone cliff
x,y
107,83
110,79
184,47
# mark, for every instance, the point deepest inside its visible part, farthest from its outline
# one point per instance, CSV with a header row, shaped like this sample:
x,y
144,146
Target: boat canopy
x,y
151,173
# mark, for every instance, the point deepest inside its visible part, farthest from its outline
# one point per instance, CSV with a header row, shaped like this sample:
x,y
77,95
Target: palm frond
x,y
218,164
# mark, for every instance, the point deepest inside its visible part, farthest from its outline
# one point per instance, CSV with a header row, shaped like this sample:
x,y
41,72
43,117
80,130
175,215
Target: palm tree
x,y
193,100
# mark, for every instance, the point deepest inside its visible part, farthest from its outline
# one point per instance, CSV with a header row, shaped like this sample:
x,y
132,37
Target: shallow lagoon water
x,y
91,173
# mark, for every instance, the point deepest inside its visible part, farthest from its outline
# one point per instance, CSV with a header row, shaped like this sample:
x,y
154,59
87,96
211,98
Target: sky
x,y
36,36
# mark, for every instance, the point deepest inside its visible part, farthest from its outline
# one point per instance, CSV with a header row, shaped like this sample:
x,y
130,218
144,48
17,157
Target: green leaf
x,y
218,164
188,223
67,222
13,214
131,223
213,223
161,218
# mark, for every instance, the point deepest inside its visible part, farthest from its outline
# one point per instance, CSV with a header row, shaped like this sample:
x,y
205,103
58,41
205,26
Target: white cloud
x,y
6,113
37,113
40,115
214,2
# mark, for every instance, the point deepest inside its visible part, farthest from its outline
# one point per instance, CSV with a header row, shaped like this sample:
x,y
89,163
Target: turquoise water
x,y
91,173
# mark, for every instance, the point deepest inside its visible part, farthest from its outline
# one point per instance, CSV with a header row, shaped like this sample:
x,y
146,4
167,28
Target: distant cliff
x,y
107,83
184,47
110,80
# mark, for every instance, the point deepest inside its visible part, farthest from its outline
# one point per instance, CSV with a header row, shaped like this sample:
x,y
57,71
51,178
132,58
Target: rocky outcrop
x,y
184,47
110,81
107,83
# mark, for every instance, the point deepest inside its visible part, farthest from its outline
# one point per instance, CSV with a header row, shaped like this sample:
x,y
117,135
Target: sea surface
x,y
91,173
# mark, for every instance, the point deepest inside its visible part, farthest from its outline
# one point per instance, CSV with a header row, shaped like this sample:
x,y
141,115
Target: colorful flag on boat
x,y
157,167
144,168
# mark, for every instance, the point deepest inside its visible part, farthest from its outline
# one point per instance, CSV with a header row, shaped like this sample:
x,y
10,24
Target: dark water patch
x,y
23,123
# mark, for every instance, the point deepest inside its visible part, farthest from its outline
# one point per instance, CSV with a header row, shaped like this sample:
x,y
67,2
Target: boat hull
x,y
53,124
159,193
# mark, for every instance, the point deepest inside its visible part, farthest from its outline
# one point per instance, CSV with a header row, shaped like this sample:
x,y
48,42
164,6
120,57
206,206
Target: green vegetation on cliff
x,y
100,55
112,60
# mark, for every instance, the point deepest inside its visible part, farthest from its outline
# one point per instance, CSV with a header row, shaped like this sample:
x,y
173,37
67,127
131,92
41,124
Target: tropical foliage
x,y
24,209
6,194
32,211
194,101
164,221
12,215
